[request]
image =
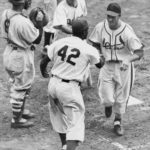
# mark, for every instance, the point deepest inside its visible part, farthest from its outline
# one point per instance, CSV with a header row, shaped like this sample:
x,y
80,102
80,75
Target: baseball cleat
x,y
27,114
23,123
108,111
118,128
64,147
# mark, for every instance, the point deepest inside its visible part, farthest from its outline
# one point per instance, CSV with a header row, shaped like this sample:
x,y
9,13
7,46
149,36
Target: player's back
x,y
71,58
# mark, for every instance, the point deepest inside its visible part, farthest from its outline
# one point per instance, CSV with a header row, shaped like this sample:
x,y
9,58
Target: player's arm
x,y
97,46
63,28
137,55
43,66
136,48
38,39
102,59
135,45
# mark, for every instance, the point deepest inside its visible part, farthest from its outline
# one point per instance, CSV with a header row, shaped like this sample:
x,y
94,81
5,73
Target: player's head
x,y
113,14
17,2
21,3
80,28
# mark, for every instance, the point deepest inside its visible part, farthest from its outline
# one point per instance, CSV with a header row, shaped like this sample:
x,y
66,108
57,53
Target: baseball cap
x,y
79,26
113,9
17,1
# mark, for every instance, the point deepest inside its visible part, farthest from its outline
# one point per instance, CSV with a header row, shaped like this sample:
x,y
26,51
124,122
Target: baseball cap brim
x,y
18,1
111,13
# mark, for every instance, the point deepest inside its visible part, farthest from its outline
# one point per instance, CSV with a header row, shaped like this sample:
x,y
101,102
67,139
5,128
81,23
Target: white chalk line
x,y
118,145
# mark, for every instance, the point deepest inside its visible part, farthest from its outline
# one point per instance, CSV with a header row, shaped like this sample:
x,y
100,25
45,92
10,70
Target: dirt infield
x,y
99,134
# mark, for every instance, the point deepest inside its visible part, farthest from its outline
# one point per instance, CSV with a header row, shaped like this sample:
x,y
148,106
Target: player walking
x,y
18,58
120,47
71,56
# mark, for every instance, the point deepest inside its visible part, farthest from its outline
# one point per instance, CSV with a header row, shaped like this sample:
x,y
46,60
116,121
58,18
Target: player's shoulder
x,y
61,5
5,11
128,27
100,24
89,48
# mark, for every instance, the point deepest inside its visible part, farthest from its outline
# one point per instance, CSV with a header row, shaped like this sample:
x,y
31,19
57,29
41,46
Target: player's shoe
x,y
27,114
108,111
64,147
118,128
22,123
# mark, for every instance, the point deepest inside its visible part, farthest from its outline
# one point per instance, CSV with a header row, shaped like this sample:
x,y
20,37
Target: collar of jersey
x,y
114,31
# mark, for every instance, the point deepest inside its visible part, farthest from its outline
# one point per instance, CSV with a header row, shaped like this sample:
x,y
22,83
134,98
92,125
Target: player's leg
x,y
106,88
123,90
72,144
18,103
67,110
15,69
48,39
63,140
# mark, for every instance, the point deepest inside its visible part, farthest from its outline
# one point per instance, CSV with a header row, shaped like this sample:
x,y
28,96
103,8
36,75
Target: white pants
x,y
19,64
114,86
67,108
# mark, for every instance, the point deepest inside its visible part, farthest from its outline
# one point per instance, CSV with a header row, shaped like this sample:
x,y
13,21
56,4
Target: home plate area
x,y
134,101
136,125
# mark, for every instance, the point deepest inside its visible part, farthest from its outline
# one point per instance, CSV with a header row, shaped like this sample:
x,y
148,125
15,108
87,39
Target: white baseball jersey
x,y
115,44
18,57
64,13
71,58
115,85
21,30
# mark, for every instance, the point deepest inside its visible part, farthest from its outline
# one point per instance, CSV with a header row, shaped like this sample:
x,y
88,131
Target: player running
x,y
120,47
71,57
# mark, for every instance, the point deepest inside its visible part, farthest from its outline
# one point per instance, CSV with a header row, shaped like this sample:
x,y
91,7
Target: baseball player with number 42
x,y
71,57
120,47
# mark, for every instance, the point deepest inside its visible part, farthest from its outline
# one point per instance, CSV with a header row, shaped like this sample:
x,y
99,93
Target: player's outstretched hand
x,y
101,63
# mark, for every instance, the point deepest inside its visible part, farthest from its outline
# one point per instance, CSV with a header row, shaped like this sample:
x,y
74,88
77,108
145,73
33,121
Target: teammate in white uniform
x,y
66,12
120,47
49,32
71,57
18,59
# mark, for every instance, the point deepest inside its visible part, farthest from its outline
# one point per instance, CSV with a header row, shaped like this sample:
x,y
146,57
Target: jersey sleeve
x,y
51,50
59,17
93,55
95,36
3,33
133,41
29,33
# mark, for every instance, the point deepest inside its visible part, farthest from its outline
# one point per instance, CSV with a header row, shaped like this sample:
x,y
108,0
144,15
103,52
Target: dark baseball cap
x,y
17,1
79,26
113,9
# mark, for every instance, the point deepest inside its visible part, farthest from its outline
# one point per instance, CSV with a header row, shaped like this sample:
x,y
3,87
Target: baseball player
x,y
18,57
120,47
66,12
71,57
49,32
